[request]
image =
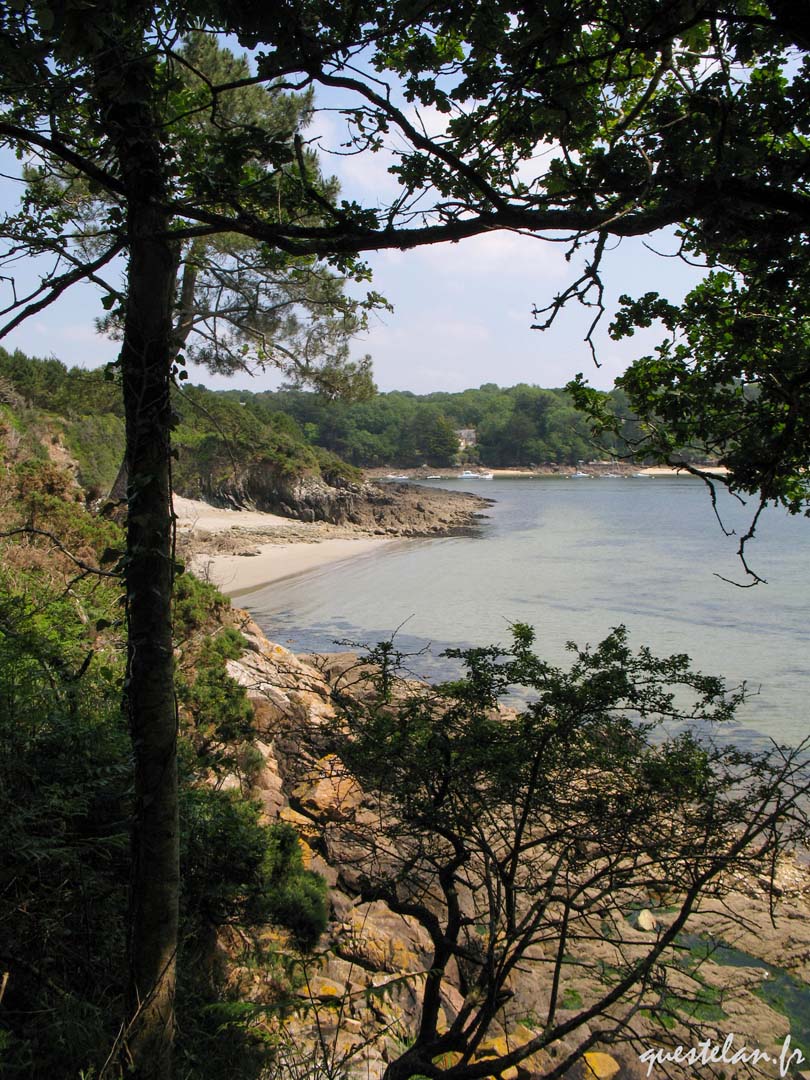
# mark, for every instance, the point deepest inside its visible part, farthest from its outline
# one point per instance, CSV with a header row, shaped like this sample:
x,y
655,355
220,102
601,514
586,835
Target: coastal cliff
x,y
382,509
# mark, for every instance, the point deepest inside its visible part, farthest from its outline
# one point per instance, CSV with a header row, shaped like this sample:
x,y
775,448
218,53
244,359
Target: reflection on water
x,y
575,558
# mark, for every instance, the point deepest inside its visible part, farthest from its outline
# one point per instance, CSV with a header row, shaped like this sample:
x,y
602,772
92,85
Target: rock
x,y
309,706
378,939
303,825
646,920
331,665
279,686
370,948
498,1046
601,1066
770,886
320,988
331,795
452,1002
306,854
267,784
341,905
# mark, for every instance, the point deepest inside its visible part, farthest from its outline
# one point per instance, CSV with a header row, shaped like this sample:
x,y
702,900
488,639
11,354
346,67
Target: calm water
x,y
575,558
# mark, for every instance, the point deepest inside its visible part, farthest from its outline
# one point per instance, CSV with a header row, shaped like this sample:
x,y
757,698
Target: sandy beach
x,y
668,470
242,550
192,514
236,575
591,468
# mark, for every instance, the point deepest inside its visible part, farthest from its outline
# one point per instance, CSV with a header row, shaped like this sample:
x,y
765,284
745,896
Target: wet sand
x,y
236,575
256,548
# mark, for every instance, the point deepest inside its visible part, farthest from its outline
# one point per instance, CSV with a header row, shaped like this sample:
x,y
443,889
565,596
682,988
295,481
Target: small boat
x,y
578,475
469,475
397,476
434,476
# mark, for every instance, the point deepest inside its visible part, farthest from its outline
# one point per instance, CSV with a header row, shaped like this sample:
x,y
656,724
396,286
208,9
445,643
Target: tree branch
x,y
56,286
64,153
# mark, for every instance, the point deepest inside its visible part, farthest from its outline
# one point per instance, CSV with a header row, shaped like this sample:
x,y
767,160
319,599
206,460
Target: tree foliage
x,y
64,784
219,434
239,305
656,115
519,425
215,438
729,380
521,813
66,792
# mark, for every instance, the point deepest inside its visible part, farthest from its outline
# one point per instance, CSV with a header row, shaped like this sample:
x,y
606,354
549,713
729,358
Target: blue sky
x,y
462,312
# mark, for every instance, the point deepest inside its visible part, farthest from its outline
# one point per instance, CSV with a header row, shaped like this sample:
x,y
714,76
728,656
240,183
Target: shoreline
x,y
237,575
242,551
590,468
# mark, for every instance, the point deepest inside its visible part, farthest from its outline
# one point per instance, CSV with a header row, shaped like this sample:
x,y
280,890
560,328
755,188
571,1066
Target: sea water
x,y
575,558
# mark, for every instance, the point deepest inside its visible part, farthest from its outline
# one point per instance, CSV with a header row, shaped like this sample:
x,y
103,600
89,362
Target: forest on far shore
x,y
520,425
516,425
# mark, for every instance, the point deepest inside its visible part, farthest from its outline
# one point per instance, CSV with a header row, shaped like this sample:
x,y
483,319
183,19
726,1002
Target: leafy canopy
x,y
522,813
580,123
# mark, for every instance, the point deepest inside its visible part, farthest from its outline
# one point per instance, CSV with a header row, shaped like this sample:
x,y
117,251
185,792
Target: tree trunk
x,y
150,703
126,75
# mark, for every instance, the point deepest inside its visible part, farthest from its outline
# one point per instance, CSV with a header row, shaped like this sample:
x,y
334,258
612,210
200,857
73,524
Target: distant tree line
x,y
521,425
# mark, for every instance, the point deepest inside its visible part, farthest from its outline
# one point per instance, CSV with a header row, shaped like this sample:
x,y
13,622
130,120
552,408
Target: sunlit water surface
x,y
576,557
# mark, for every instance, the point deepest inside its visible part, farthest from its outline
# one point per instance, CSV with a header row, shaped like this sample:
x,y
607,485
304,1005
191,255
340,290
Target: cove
x,y
574,558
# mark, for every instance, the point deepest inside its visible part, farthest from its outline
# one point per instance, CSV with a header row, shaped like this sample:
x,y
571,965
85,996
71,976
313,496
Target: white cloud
x,y
497,252
463,315
363,176
427,120
75,344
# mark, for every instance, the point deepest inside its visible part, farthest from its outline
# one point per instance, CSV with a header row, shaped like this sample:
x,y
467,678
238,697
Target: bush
x,y
237,870
524,811
65,780
97,444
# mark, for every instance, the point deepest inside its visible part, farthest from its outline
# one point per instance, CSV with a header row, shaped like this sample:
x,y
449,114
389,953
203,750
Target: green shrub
x,y
65,780
237,870
197,605
97,444
219,715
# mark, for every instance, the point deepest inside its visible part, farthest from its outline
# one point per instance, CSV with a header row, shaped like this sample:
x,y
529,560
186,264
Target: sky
x,y
462,312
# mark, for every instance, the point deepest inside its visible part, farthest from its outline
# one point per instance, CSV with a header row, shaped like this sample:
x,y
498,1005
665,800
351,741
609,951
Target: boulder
x,y
380,940
646,920
331,794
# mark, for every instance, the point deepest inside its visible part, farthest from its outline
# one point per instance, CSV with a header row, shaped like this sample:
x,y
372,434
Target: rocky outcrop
x,y
359,998
382,509
261,486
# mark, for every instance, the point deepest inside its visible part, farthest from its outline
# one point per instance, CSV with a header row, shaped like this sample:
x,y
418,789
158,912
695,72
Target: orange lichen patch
x,y
601,1066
